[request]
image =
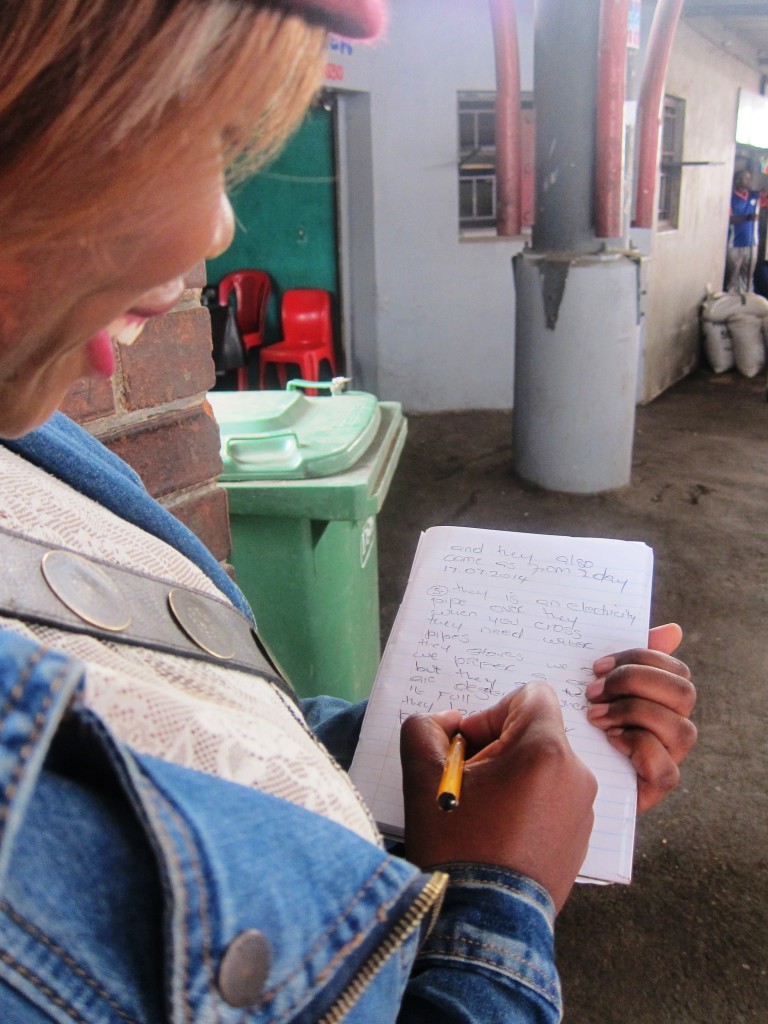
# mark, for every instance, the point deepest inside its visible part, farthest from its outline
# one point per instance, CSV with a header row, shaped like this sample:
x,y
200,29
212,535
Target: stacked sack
x,y
735,329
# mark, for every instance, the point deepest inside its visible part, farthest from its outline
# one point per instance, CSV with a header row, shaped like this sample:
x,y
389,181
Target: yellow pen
x,y
450,784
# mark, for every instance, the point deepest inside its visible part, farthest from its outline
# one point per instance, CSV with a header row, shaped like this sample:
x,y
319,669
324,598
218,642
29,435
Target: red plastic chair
x,y
252,289
307,337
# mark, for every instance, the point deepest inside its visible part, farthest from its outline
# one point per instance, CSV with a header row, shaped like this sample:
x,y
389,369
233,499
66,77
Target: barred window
x,y
477,160
671,167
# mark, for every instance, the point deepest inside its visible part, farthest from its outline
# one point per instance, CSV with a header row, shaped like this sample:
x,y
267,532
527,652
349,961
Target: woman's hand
x,y
526,798
642,700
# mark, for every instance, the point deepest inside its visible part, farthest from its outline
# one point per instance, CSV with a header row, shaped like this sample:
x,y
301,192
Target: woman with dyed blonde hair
x,y
175,842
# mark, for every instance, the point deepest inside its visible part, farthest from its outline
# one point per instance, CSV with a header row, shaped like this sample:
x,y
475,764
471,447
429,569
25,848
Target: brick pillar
x,y
152,414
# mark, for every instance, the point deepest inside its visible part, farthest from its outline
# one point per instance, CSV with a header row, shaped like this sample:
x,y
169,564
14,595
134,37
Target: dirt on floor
x,y
687,941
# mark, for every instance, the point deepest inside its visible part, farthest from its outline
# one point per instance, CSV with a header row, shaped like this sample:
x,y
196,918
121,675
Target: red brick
x,y
206,513
89,399
175,451
171,360
172,452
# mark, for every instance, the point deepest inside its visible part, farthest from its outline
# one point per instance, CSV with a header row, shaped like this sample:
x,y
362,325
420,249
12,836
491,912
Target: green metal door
x,y
286,220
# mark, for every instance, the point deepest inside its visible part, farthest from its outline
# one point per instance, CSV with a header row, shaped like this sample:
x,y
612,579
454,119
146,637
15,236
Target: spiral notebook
x,y
485,612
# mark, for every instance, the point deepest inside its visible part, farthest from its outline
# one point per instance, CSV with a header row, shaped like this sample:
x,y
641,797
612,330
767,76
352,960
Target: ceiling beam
x,y
726,11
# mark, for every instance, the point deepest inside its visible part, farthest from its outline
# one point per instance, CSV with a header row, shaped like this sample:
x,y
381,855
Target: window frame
x,y
476,146
671,163
476,159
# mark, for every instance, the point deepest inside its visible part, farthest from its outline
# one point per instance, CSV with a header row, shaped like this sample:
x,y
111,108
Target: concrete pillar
x,y
576,339
576,370
565,83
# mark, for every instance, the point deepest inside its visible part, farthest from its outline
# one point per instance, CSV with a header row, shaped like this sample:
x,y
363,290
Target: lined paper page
x,y
487,611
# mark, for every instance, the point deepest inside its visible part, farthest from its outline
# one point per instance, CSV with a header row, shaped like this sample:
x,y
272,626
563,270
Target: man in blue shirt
x,y
742,238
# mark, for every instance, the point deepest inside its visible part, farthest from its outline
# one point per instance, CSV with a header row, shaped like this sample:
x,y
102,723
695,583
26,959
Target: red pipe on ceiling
x,y
508,118
609,135
665,19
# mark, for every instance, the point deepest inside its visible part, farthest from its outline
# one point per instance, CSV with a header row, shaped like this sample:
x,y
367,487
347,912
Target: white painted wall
x,y
442,330
684,261
445,306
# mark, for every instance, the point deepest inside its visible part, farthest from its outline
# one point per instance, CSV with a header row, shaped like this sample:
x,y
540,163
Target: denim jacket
x,y
133,890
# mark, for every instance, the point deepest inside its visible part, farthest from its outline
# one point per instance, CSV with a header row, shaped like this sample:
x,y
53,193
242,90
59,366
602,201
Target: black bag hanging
x,y
228,348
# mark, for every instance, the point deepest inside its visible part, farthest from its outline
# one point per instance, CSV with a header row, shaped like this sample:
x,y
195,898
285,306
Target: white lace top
x,y
213,719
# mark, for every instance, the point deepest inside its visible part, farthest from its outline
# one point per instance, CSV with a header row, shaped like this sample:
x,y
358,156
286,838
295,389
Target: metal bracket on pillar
x,y
554,276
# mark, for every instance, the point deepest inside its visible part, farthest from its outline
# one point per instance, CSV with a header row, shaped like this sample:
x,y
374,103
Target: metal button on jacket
x,y
244,968
197,617
86,589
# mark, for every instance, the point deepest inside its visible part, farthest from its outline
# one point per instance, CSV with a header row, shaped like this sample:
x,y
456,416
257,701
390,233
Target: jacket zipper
x,y
429,900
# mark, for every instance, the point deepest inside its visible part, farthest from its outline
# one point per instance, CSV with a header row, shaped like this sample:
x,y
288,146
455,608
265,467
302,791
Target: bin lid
x,y
285,435
353,495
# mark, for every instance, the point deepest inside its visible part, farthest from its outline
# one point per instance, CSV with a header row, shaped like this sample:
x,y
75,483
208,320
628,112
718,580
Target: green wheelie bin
x,y
305,479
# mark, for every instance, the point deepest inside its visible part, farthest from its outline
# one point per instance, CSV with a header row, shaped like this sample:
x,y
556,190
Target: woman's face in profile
x,y
60,310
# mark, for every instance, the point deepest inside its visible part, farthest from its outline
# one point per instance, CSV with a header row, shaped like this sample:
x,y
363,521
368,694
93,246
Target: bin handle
x,y
336,386
256,447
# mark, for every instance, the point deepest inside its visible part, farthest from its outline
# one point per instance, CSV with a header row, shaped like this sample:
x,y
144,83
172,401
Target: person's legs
x,y
731,270
737,264
750,266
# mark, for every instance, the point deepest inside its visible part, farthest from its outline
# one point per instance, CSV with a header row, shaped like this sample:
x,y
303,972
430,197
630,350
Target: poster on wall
x,y
348,65
633,25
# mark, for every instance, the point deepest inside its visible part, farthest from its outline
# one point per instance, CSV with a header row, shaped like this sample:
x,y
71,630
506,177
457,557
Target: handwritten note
x,y
487,611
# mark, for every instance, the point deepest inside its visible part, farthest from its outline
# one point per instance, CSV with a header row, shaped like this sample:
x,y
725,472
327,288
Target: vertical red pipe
x,y
508,118
609,136
665,19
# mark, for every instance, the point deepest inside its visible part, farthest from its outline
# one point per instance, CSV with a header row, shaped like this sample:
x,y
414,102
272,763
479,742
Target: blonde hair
x,y
96,95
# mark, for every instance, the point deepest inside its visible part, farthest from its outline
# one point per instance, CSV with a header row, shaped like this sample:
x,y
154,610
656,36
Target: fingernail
x,y
598,710
595,689
604,665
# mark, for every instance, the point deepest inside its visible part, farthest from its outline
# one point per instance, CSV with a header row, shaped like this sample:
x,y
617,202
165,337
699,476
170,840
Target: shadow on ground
x,y
687,941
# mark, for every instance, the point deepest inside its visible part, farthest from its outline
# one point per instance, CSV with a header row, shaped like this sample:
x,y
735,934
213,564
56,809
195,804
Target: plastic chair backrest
x,y
252,289
306,316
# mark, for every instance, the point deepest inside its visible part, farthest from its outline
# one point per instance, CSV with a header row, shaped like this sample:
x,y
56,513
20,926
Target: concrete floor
x,y
687,941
